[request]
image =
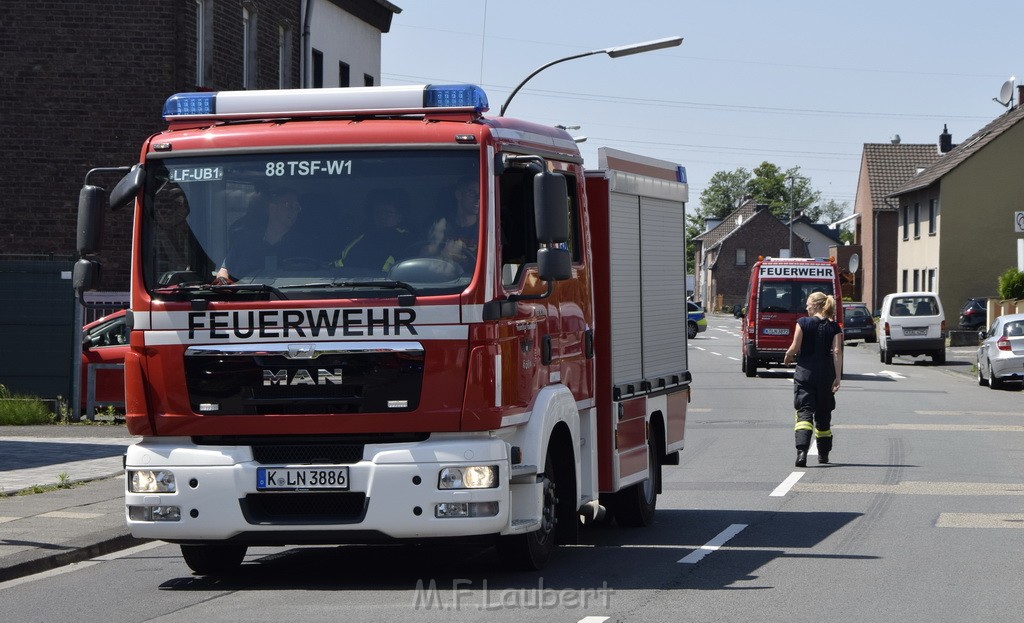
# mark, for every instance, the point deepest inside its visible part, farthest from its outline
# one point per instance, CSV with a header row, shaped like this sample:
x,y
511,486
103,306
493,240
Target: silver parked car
x,y
1001,353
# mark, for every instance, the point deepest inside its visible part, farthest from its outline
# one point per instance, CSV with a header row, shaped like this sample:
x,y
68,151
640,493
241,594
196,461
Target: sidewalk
x,y
46,530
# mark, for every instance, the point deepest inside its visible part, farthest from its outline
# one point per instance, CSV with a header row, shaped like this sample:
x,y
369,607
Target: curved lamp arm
x,y
616,52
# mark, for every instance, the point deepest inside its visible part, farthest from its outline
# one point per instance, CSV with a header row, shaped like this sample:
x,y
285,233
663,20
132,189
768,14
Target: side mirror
x,y
554,264
129,186
85,275
90,219
551,207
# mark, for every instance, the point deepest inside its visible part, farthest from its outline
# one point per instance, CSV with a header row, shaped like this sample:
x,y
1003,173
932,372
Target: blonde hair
x,y
825,302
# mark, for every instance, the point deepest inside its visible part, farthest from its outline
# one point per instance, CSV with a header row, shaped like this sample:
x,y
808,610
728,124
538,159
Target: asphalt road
x,y
918,518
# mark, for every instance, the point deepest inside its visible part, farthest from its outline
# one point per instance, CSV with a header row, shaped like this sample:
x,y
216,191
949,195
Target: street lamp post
x,y
616,52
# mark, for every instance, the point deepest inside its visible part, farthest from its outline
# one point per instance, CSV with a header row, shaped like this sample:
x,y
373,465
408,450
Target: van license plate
x,y
915,331
776,331
294,478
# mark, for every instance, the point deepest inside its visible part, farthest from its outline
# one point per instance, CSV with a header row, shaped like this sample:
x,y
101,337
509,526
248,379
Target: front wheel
x,y
213,558
532,551
981,376
691,330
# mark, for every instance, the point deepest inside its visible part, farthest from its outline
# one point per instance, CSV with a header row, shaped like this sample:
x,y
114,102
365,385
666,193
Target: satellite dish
x,y
1006,92
854,262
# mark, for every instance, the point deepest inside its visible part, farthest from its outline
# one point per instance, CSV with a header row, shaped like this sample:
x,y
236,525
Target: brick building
x,y
85,84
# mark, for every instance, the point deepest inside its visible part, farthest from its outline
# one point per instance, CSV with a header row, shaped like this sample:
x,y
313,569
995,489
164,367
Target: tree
x,y
724,193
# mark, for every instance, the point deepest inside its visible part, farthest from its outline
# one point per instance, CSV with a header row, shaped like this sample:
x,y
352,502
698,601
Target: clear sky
x,y
797,82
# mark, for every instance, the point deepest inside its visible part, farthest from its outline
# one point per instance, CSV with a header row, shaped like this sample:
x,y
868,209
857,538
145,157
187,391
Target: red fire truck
x,y
375,314
776,297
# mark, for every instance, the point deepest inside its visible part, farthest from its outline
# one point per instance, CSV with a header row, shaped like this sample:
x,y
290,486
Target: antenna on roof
x,y
1006,93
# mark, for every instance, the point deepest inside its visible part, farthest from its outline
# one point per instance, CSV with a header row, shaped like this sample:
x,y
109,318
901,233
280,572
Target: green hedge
x,y
1011,284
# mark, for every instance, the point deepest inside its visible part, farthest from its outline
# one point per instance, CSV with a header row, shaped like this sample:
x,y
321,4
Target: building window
x,y
917,280
344,75
917,221
906,222
318,69
284,57
933,215
204,35
741,257
248,48
931,280
367,80
904,288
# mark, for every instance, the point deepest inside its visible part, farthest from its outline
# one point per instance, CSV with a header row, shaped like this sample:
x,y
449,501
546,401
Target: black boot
x,y
822,457
801,458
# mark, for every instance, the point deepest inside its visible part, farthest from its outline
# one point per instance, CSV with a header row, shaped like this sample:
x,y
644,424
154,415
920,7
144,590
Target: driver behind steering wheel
x,y
264,238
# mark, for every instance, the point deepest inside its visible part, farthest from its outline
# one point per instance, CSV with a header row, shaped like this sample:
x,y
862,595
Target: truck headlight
x,y
151,481
472,477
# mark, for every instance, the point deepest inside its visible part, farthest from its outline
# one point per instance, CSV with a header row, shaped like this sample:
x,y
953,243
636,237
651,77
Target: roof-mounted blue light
x,y
191,104
395,100
455,96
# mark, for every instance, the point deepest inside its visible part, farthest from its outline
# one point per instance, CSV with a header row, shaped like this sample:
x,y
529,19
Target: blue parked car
x,y
696,321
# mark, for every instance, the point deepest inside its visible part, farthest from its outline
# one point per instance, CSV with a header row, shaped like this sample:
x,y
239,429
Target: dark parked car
x,y
858,323
974,314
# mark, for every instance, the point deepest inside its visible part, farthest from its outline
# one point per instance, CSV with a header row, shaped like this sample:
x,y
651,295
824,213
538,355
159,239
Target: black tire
x,y
634,506
532,551
981,377
213,558
887,358
751,368
939,357
691,329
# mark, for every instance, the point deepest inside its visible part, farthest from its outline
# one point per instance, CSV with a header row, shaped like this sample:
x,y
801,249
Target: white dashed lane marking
x,y
712,545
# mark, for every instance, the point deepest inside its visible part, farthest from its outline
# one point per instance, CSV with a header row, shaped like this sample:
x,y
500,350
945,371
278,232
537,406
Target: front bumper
x,y
393,493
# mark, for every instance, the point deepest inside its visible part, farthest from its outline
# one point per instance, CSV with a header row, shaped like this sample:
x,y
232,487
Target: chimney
x,y
711,223
1020,94
945,141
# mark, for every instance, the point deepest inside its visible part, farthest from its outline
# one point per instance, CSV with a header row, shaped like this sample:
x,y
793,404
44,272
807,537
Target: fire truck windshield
x,y
309,225
789,296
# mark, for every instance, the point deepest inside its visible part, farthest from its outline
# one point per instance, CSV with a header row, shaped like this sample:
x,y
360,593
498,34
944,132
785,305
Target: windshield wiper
x,y
209,288
389,284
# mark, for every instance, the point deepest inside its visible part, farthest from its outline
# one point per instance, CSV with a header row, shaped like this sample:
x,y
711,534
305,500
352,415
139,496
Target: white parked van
x,y
912,323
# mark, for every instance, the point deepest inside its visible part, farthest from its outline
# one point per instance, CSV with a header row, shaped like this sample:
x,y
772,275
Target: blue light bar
x,y
410,99
455,96
190,104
